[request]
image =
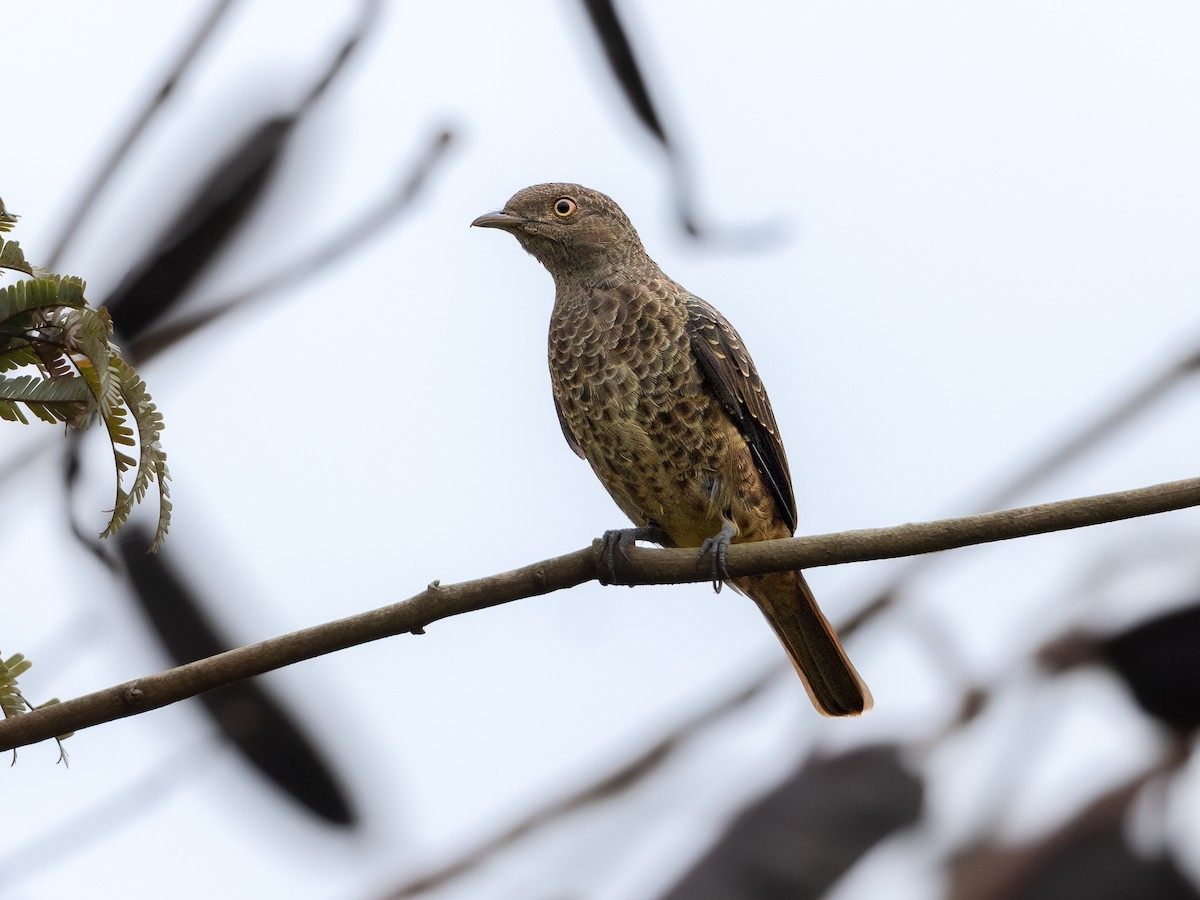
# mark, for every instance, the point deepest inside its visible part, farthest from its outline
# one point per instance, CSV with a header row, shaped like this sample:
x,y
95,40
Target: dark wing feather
x,y
562,423
730,372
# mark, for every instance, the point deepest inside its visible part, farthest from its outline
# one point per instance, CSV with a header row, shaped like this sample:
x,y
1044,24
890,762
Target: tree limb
x,y
1088,437
643,566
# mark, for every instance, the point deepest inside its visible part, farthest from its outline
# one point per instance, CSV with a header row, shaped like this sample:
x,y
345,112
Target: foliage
x,y
7,219
12,703
66,368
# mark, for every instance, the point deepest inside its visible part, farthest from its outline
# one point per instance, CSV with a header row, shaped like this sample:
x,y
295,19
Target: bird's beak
x,y
499,219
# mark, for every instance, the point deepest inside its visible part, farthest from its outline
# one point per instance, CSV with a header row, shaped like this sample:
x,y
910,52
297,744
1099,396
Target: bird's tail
x,y
828,675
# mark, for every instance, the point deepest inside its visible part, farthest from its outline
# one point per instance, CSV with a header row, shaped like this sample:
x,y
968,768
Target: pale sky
x,y
987,218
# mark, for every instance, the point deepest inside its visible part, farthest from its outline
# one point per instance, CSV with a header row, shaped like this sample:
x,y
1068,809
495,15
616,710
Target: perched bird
x,y
655,389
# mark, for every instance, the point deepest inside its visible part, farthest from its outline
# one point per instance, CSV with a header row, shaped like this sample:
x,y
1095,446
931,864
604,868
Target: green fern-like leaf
x,y
121,395
11,257
7,219
51,400
72,346
152,461
28,295
11,701
45,323
18,356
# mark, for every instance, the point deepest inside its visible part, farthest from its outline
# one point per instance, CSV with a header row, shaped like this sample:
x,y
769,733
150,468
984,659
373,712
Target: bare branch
x,y
643,567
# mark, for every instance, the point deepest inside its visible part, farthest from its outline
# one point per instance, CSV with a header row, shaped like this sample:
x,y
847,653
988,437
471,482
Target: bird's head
x,y
570,229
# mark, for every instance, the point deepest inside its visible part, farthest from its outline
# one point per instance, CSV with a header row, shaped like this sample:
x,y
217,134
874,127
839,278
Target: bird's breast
x,y
618,354
633,400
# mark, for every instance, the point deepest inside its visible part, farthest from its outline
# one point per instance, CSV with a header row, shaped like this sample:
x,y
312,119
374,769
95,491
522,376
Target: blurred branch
x,y
88,197
247,713
606,787
623,63
218,208
307,264
1092,433
1110,422
216,211
643,566
997,871
619,53
801,837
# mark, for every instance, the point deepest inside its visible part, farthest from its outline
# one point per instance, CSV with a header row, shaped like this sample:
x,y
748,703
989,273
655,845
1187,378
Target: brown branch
x,y
643,567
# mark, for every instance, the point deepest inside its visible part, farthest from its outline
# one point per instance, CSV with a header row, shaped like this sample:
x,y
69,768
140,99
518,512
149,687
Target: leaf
x,y
1156,659
1086,858
1159,662
11,257
261,727
37,294
151,463
11,701
17,357
619,53
806,833
52,400
205,224
7,219
46,322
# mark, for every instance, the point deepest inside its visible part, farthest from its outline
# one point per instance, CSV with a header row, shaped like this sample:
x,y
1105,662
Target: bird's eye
x,y
564,207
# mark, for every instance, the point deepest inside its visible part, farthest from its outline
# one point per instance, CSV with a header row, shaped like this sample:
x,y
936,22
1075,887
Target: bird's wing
x,y
730,372
562,423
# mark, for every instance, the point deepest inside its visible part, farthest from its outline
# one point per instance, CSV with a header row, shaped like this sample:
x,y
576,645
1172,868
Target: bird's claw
x,y
619,540
716,548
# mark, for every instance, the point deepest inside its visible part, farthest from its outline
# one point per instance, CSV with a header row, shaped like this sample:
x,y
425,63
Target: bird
x,y
655,389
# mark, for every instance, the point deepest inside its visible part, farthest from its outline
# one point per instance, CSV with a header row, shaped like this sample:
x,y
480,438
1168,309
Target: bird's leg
x,y
621,539
716,548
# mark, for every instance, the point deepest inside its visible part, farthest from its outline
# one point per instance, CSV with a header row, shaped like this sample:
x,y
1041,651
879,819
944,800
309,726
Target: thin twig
x,y
88,197
643,567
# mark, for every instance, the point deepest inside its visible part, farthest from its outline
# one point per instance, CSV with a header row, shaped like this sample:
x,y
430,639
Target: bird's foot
x,y
716,548
619,540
